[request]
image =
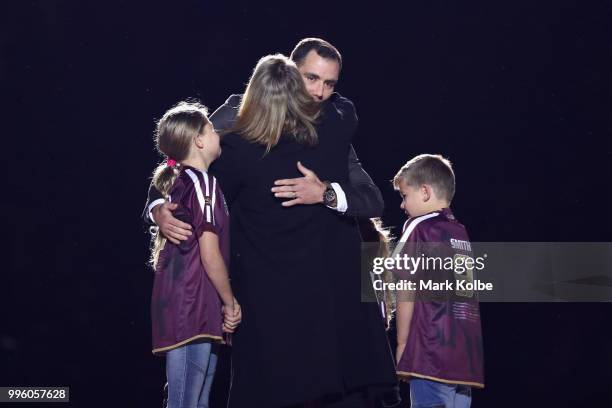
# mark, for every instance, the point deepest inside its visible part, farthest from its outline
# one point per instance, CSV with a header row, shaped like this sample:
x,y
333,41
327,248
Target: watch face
x,y
329,196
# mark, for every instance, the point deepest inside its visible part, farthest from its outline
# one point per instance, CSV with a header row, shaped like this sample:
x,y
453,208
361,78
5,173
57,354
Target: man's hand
x,y
303,190
173,229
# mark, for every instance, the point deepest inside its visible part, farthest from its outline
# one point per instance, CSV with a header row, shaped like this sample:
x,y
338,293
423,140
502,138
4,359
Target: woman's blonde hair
x,y
384,238
276,102
174,136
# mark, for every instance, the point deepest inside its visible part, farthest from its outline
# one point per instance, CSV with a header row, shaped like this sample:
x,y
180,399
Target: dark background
x,y
516,94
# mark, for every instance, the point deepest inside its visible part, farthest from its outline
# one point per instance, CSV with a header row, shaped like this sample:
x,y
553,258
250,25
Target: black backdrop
x,y
516,94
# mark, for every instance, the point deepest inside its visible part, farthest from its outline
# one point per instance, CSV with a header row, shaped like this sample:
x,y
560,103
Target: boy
x,y
439,337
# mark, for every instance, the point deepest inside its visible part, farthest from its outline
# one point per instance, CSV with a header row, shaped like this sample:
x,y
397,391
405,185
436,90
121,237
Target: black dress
x,y
296,273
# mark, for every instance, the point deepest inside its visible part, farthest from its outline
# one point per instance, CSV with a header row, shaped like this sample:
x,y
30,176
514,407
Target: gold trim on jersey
x,y
405,374
182,343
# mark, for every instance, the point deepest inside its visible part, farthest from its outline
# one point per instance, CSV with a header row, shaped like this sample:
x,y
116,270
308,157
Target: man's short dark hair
x,y
321,47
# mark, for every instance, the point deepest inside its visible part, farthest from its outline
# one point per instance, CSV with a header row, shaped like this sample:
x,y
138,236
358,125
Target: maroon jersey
x,y
185,305
445,338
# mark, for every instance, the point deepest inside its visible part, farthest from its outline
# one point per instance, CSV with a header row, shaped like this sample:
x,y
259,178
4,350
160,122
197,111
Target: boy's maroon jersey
x,y
445,338
185,305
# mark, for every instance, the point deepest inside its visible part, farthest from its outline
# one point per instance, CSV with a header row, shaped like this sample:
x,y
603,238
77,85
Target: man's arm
x,y
363,197
359,197
158,211
225,115
154,198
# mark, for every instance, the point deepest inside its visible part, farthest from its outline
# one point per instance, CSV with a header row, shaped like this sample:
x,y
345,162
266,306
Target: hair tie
x,y
170,162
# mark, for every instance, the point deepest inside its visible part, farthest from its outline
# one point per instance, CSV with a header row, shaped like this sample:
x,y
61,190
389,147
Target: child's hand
x,y
232,316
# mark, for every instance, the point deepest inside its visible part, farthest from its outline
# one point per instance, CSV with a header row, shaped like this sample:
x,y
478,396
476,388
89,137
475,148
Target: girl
x,y
192,303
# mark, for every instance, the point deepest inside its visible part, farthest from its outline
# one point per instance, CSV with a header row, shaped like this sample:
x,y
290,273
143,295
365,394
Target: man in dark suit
x,y
320,64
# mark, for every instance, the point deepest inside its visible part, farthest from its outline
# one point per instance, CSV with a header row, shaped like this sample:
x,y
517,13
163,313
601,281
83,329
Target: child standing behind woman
x,y
192,303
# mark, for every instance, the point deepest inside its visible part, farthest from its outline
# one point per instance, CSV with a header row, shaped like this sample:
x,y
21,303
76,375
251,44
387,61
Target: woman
x,y
304,334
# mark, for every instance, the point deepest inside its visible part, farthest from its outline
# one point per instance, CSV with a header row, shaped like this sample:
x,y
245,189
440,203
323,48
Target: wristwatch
x,y
329,196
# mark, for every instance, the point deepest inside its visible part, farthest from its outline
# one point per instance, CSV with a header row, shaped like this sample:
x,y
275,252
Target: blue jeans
x,y
433,394
190,370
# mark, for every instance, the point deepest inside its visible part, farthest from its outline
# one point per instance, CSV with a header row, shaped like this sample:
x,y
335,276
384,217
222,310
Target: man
x,y
320,63
365,356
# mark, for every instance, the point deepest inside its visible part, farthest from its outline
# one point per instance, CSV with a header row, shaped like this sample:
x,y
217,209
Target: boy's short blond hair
x,y
431,169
